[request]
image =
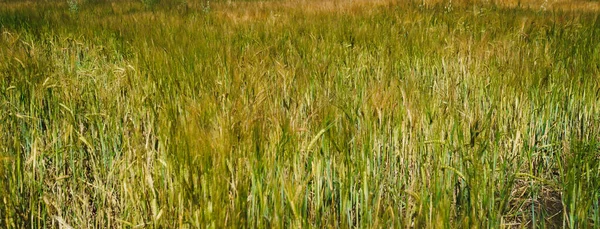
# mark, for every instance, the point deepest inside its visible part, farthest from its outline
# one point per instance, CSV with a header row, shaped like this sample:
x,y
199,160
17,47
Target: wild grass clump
x,y
285,114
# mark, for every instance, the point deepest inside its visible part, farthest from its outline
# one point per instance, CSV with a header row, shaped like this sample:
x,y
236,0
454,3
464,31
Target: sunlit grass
x,y
279,114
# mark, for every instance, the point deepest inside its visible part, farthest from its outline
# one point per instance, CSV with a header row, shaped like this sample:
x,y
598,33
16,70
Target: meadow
x,y
300,114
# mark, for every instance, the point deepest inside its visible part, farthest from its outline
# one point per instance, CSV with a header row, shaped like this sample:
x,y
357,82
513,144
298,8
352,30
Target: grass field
x,y
300,114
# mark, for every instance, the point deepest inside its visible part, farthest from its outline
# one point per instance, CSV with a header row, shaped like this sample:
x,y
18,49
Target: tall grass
x,y
269,115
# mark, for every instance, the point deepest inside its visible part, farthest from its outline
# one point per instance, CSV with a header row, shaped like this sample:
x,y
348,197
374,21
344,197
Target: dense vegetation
x,y
296,113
